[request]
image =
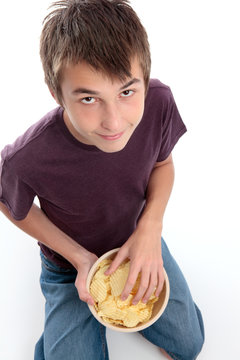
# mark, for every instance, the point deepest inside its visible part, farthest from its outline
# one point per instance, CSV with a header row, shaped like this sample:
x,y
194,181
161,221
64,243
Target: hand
x,y
143,249
85,265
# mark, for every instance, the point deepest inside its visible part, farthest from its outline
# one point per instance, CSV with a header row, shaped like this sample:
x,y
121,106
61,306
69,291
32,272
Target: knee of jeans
x,y
197,347
192,347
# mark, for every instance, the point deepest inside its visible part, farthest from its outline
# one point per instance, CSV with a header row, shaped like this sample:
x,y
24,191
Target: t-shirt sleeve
x,y
15,193
172,127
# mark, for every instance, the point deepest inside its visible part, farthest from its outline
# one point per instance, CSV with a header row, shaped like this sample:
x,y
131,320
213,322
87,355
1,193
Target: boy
x,y
102,169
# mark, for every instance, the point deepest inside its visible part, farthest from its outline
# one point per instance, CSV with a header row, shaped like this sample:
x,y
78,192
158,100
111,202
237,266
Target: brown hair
x,y
107,34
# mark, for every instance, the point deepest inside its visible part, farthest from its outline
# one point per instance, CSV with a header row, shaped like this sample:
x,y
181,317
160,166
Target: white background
x,y
195,50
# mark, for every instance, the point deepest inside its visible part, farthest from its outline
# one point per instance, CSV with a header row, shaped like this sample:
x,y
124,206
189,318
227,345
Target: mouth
x,y
111,137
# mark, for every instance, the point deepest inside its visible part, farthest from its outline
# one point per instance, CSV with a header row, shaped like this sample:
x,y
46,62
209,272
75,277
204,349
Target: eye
x,y
88,100
127,93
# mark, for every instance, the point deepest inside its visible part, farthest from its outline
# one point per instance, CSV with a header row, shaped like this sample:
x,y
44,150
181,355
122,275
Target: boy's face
x,y
100,111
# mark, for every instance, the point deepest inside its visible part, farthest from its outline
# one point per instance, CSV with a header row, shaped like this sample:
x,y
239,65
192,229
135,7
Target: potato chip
x,y
131,319
119,278
109,308
122,304
99,289
103,266
106,291
139,306
143,315
111,321
104,263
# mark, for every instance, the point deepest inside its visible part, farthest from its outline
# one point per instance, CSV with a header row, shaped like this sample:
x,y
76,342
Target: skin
x,y
143,248
100,111
165,354
104,112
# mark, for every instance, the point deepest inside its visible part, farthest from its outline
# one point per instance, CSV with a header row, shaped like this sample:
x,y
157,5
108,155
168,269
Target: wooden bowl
x,y
158,307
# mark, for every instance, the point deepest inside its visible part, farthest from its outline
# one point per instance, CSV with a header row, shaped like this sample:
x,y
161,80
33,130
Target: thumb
x,y
80,284
119,258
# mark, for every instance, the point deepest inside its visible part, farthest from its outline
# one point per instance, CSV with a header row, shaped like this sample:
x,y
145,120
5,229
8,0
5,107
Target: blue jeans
x,y
72,333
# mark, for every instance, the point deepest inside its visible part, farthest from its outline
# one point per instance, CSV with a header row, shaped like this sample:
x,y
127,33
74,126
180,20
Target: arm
x,y
143,248
37,225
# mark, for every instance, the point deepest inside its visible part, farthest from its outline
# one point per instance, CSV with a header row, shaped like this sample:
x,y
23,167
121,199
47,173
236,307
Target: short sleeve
x,y
16,195
172,127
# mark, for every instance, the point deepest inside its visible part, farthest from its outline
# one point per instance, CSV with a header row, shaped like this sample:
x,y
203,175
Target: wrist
x,y
153,213
81,257
149,223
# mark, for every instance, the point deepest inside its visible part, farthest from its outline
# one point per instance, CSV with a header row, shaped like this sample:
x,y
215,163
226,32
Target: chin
x,y
111,148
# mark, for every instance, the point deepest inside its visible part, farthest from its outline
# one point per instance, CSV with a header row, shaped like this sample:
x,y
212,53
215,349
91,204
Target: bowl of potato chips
x,y
115,313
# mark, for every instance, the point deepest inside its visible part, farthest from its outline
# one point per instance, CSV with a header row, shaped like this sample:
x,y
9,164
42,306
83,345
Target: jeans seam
x,y
172,355
102,335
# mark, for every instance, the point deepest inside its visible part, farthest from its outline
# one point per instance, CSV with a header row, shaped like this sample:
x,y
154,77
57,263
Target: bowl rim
x,y
125,329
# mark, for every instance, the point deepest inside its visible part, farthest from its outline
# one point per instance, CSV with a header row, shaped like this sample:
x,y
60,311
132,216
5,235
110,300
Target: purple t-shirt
x,y
94,197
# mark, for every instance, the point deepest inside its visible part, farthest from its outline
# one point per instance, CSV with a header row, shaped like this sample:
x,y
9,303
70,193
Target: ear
x,y
54,96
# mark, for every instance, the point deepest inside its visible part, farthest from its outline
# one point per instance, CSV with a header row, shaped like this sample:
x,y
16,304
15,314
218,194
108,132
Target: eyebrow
x,y
82,90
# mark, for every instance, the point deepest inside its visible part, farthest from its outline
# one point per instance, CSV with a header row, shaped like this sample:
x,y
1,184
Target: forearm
x,y
158,193
37,225
143,247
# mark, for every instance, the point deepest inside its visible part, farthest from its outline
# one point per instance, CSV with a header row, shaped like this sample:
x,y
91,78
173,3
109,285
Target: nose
x,y
111,118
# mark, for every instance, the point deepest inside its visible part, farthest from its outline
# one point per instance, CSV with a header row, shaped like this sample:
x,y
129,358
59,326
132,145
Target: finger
x,y
132,277
144,284
84,295
151,287
119,258
160,282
